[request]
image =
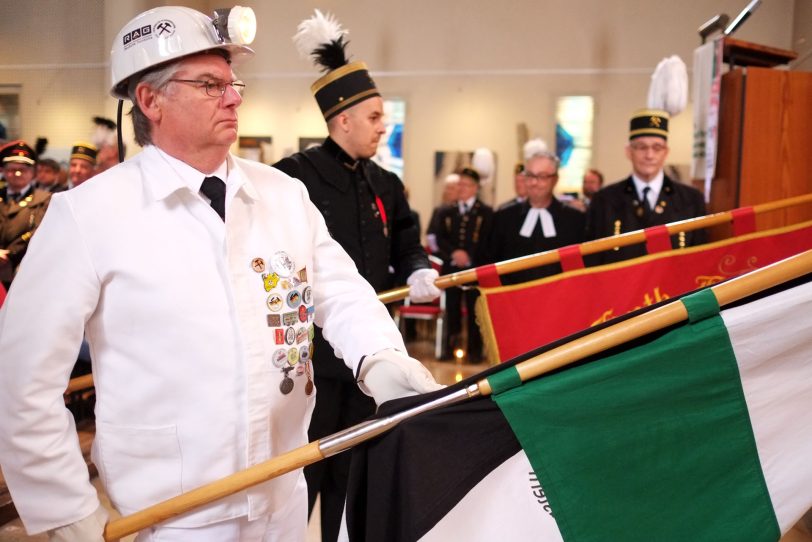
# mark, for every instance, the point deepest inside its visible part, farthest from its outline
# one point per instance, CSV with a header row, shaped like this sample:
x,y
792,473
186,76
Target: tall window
x,y
573,140
390,147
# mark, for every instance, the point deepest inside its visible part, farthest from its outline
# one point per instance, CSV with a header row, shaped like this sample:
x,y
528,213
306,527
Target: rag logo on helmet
x,y
137,35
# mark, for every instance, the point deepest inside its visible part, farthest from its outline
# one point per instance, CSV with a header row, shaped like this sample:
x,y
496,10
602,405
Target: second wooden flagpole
x,y
599,341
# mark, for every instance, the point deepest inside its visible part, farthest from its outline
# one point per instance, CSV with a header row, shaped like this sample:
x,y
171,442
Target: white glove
x,y
89,529
421,285
390,374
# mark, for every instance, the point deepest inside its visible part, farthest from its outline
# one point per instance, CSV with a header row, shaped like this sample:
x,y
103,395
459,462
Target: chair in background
x,y
434,310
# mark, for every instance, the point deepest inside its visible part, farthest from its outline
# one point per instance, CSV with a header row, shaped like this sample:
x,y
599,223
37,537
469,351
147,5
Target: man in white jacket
x,y
197,278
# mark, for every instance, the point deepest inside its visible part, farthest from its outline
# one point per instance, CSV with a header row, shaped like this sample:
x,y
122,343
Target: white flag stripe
x,y
507,504
772,340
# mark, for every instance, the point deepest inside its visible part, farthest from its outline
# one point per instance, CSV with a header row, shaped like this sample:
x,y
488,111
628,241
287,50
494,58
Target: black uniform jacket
x,y
505,243
617,209
467,232
345,191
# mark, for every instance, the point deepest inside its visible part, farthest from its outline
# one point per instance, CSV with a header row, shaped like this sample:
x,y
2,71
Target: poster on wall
x,y
309,142
257,148
9,112
448,162
390,147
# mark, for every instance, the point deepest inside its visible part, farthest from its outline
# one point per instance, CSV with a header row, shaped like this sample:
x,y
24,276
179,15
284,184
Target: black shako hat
x,y
345,83
85,151
649,122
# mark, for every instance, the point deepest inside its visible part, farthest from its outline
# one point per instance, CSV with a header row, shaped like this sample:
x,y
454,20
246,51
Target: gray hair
x,y
157,79
544,154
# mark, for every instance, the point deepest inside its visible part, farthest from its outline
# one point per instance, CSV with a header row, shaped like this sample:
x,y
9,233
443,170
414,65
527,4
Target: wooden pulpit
x,y
764,148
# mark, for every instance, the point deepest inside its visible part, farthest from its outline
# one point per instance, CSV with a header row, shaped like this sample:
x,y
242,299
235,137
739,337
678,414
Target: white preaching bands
x,y
536,214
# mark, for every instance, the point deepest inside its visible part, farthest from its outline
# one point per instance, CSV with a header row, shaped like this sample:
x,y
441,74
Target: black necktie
x,y
646,204
215,189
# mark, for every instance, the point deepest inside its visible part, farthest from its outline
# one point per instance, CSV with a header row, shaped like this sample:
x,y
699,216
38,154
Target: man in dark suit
x,y
540,223
646,198
464,226
366,212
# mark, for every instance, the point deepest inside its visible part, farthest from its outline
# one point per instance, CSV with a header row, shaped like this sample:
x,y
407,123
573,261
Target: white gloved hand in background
x,y
89,529
391,374
421,285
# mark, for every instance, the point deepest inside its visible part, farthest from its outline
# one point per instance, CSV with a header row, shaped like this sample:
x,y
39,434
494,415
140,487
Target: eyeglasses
x,y
538,176
642,147
214,87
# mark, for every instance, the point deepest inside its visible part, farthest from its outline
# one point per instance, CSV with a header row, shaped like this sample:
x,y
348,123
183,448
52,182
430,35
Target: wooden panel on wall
x,y
775,160
764,143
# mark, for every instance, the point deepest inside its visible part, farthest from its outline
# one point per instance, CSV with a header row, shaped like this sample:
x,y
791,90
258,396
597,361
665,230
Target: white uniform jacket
x,y
195,329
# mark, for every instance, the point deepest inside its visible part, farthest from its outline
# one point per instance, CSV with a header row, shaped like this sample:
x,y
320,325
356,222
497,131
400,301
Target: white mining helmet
x,y
171,32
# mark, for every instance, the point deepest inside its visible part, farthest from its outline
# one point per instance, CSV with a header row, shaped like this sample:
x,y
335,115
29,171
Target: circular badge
x,y
280,357
293,356
274,302
311,332
258,265
304,353
286,386
300,370
290,335
302,313
307,295
294,299
283,264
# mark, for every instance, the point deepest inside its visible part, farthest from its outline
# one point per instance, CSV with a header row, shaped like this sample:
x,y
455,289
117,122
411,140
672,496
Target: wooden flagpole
x,y
592,247
552,256
599,341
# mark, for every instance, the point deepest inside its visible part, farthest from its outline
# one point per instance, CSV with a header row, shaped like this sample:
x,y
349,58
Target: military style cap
x,y
345,83
84,151
649,122
471,173
18,152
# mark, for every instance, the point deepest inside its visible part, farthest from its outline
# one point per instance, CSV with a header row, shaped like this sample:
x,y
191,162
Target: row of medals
x,y
282,271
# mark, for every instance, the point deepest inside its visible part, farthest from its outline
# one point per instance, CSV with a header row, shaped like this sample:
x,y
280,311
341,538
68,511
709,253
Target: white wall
x,y
470,71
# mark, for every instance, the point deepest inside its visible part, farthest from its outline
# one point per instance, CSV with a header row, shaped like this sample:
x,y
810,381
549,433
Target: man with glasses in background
x,y
540,222
646,198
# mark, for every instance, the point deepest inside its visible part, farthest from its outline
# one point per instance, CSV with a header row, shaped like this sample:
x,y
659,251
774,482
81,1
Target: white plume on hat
x,y
533,147
316,32
105,132
452,178
483,162
669,86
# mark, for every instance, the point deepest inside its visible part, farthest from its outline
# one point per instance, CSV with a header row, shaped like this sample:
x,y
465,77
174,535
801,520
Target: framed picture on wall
x,y
257,148
448,162
308,142
10,128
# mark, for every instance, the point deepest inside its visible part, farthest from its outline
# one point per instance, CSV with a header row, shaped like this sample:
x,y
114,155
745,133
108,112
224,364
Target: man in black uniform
x,y
22,206
539,223
648,197
464,227
366,211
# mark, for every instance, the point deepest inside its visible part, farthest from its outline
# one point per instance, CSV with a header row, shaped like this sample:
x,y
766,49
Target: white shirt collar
x,y
187,176
656,185
466,205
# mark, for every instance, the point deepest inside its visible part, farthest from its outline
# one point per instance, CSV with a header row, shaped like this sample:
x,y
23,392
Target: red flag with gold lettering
x,y
516,319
